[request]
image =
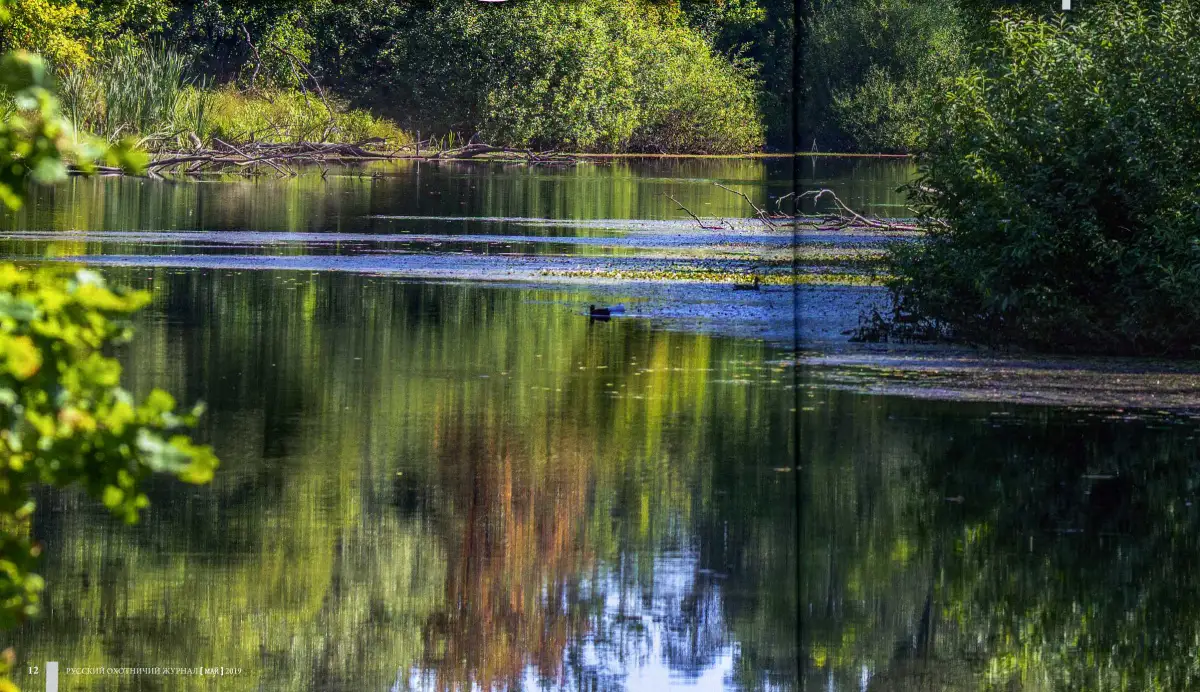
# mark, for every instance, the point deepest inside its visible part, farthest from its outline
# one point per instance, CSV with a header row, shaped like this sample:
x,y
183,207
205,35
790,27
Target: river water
x,y
437,472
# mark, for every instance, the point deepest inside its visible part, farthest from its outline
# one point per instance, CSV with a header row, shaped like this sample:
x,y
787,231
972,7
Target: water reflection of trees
x,y
1025,549
387,514
1076,564
516,556
350,200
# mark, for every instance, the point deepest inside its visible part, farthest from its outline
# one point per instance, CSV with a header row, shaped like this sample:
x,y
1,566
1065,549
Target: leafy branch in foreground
x,y
64,418
36,142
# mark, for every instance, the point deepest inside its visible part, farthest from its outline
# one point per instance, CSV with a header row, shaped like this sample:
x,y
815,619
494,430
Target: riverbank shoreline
x,y
229,158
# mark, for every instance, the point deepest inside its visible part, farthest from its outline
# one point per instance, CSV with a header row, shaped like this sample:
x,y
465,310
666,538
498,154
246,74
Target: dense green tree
x,y
263,41
594,75
589,74
1059,186
763,31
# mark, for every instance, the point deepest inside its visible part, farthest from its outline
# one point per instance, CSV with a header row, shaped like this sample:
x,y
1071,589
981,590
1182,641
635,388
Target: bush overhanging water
x,y
1060,187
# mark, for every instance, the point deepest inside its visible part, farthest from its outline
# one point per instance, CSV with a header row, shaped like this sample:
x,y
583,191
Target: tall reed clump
x,y
125,91
141,89
145,91
194,108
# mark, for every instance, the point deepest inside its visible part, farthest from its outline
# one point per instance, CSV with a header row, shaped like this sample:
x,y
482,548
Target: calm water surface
x,y
464,484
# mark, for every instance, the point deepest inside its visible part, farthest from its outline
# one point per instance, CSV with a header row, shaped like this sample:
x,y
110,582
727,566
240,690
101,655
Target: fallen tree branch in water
x,y
758,213
697,218
245,158
845,215
843,218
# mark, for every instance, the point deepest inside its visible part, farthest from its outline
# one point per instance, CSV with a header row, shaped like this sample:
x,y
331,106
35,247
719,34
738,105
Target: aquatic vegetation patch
x,y
722,277
836,253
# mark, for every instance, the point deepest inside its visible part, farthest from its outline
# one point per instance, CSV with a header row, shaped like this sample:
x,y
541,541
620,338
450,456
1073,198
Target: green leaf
x,y
160,455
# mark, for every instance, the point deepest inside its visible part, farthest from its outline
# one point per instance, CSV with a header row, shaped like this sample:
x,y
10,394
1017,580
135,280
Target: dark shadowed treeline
x,y
873,68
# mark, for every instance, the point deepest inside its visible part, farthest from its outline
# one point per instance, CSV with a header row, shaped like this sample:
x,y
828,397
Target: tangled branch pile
x,y
250,157
255,157
841,217
471,151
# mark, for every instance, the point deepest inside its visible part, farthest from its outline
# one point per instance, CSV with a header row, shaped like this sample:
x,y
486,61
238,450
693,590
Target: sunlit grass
x,y
285,116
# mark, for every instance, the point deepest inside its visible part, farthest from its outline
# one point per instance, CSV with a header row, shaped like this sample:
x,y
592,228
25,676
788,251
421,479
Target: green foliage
x,y
724,20
278,115
70,33
132,19
764,32
31,138
880,114
57,29
599,75
1060,187
215,31
871,67
66,419
690,103
284,42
